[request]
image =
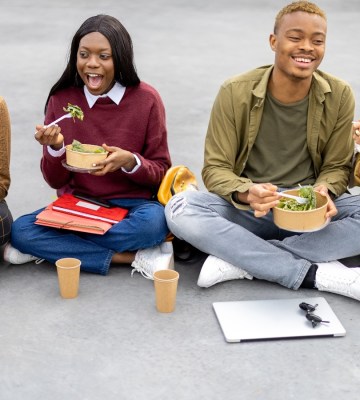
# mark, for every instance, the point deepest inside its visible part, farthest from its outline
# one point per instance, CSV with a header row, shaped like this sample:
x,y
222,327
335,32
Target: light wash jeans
x,y
257,245
144,226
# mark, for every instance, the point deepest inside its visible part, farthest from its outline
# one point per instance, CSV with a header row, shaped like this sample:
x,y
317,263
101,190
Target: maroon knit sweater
x,y
137,124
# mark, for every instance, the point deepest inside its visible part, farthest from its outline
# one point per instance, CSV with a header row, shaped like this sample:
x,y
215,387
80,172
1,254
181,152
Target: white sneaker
x,y
147,261
335,277
215,270
14,256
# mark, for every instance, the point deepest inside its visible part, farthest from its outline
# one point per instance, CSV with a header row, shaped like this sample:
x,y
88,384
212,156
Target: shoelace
x,y
227,267
142,267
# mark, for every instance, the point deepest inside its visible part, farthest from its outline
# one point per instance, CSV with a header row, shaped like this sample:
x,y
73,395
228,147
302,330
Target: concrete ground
x,y
110,342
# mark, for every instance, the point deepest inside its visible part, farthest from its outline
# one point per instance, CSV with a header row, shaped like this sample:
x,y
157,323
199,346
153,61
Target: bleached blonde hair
x,y
301,5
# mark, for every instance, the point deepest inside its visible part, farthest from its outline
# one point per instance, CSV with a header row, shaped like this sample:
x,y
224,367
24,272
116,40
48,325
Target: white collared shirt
x,y
116,93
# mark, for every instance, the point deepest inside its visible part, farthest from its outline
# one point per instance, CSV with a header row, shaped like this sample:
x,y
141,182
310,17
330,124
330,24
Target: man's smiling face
x,y
299,44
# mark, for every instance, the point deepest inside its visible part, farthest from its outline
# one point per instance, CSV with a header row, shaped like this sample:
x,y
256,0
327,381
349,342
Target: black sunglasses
x,y
314,319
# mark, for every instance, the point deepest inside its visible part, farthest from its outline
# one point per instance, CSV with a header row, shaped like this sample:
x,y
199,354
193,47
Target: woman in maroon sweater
x,y
127,118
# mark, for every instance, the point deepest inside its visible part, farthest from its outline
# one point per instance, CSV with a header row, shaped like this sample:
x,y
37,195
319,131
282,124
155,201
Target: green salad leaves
x,y
292,205
75,111
77,146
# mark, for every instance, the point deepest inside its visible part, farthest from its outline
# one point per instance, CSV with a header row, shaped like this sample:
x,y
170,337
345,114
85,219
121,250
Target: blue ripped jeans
x,y
144,226
257,245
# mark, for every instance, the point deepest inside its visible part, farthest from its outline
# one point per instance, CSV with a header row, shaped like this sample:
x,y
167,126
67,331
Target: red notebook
x,y
67,203
60,220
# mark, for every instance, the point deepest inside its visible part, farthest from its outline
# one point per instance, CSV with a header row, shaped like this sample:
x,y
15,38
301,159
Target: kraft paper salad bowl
x,y
302,221
86,158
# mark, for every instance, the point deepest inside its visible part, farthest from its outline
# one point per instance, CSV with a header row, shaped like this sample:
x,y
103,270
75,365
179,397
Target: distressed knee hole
x,y
177,206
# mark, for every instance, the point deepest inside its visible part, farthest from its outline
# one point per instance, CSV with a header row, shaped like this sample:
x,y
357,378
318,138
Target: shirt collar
x,y
115,94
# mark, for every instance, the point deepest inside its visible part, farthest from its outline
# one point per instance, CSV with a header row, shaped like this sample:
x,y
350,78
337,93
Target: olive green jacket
x,y
235,120
4,149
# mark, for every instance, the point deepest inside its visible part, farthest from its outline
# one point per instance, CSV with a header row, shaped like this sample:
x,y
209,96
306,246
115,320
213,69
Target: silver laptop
x,y
275,319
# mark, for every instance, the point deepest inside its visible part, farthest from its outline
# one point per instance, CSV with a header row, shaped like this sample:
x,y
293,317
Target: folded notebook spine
x,y
82,214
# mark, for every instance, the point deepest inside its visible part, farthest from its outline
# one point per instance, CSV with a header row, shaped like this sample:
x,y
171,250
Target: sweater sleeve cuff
x,y
56,153
137,166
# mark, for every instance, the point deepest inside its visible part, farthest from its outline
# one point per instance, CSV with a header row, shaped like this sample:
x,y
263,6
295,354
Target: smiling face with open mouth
x,y
95,63
299,45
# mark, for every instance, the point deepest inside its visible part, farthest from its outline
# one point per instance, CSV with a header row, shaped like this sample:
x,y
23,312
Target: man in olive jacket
x,y
271,129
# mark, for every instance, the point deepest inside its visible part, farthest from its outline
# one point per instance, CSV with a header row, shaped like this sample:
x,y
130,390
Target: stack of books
x,y
72,213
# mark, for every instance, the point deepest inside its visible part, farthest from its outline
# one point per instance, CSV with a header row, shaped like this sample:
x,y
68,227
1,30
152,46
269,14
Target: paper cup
x,y
68,270
165,282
